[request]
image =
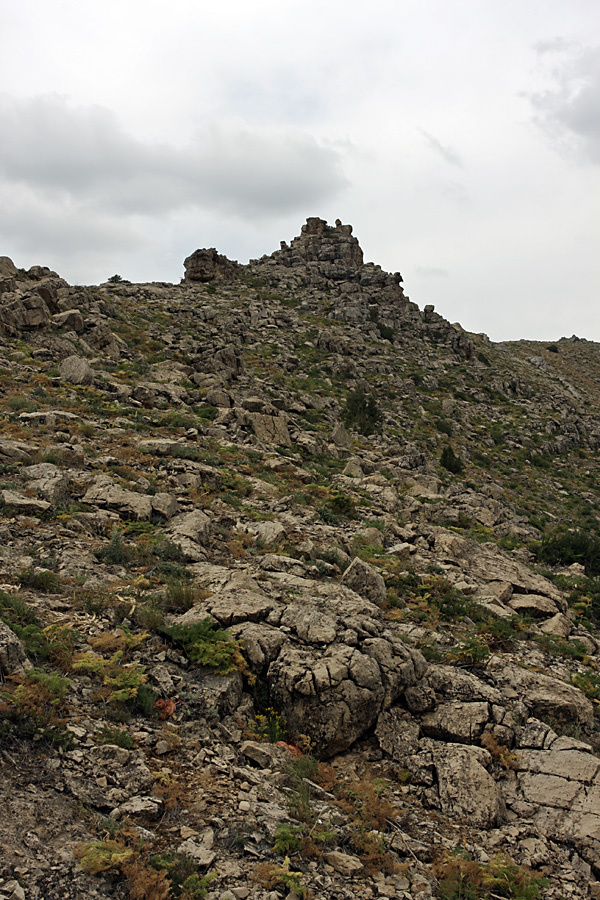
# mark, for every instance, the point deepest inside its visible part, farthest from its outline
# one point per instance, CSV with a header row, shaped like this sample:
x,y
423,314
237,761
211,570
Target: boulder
x,y
194,525
24,505
129,504
397,733
533,605
461,723
336,694
545,697
70,319
365,580
466,789
13,659
49,481
486,563
76,370
15,451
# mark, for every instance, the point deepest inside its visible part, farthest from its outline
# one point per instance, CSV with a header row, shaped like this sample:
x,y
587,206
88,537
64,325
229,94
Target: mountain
x,y
299,590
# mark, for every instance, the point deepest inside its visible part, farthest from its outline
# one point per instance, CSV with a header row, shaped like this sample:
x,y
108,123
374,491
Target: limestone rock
x,y
543,696
13,659
457,722
558,626
76,370
267,756
15,451
70,319
343,863
21,504
194,525
207,265
365,580
131,505
489,564
397,733
49,481
466,789
165,504
7,267
533,605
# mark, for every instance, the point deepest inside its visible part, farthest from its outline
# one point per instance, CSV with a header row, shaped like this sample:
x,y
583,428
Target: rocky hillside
x,y
299,590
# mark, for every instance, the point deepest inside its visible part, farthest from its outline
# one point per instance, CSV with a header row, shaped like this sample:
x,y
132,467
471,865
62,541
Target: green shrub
x,y
449,460
362,412
444,427
287,839
207,644
116,553
117,736
40,580
496,432
565,548
182,873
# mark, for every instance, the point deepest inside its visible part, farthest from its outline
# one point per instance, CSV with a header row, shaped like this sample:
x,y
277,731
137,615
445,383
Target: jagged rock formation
x,y
177,454
207,265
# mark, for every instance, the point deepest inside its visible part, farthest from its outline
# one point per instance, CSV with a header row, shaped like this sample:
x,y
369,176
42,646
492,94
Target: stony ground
x,y
275,617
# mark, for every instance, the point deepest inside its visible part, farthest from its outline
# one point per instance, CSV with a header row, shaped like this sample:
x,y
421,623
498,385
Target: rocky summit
x,y
299,590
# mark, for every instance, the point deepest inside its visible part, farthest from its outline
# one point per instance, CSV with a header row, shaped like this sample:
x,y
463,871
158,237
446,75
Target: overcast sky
x,y
461,140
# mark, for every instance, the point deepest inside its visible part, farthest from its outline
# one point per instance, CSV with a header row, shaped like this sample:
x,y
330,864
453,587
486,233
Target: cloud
x,y
85,157
449,155
570,112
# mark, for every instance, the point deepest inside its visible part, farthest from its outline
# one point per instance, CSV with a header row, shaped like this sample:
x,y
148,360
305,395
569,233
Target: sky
x,y
460,139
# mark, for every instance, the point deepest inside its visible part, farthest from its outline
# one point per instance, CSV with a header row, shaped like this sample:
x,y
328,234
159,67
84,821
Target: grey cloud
x,y
85,156
449,155
570,112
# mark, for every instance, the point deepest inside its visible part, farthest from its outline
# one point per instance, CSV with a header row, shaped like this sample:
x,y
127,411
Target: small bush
x,y
121,682
181,595
471,652
117,736
449,460
362,412
462,878
444,427
207,644
570,547
116,553
40,580
287,839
